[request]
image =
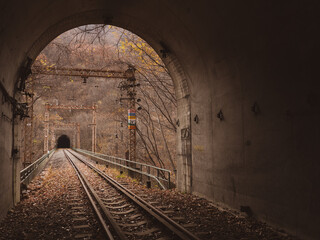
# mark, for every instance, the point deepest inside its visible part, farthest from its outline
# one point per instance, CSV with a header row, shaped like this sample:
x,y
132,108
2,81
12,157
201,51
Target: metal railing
x,y
25,173
154,172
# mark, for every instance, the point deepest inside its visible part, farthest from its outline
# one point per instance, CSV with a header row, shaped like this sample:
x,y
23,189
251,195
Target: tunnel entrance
x,y
63,142
222,137
178,99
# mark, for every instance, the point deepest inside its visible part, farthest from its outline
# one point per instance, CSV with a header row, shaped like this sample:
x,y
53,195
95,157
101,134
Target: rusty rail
x,y
179,231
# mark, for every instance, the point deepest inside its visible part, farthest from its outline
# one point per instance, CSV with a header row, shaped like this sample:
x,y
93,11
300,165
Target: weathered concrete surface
x,y
223,55
6,162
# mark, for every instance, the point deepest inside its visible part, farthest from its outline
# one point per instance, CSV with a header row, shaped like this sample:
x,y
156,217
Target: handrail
x,y
24,173
126,160
156,178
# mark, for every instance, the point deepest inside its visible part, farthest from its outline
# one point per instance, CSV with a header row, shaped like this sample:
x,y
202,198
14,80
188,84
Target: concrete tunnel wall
x,y
256,61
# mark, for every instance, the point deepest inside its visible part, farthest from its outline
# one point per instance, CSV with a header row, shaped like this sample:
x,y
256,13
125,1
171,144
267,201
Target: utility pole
x,y
130,85
94,129
53,136
131,94
46,129
78,135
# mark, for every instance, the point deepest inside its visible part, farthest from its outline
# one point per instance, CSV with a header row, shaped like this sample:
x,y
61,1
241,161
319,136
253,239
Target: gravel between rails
x,y
205,219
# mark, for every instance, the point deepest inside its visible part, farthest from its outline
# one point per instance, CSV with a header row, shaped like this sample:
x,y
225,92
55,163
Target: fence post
x,y
148,181
141,173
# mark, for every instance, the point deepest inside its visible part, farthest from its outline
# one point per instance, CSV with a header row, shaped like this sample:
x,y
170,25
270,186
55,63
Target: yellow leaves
x,y
137,48
43,62
70,79
56,117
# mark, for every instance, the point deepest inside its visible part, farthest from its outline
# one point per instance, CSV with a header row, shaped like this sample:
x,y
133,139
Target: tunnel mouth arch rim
x,y
181,81
66,142
176,71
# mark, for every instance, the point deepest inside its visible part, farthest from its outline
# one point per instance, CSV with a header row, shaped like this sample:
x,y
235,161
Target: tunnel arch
x,y
63,141
233,56
179,76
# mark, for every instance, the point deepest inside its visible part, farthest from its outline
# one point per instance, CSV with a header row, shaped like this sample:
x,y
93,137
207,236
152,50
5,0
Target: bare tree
x,y
108,47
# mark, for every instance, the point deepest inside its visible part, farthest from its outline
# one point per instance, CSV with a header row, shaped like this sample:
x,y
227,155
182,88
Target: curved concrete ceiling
x,y
247,70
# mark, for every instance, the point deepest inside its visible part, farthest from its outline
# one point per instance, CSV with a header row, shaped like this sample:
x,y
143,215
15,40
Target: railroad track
x,y
122,213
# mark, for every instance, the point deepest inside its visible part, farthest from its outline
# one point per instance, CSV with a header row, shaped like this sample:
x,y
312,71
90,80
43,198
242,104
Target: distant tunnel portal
x,y
63,142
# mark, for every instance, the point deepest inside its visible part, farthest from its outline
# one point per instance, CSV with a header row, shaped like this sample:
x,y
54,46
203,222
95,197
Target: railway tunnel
x,y
63,141
246,82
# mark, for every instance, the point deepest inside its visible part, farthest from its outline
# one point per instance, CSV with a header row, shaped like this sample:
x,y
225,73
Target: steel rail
x,y
88,188
173,226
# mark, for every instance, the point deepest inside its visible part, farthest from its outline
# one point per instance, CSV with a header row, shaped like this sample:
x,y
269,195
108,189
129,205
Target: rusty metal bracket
x,y
25,71
196,119
164,50
21,109
220,115
185,133
5,95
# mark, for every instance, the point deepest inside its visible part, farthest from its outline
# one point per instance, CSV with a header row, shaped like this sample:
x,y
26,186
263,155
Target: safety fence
x,y
27,174
160,175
